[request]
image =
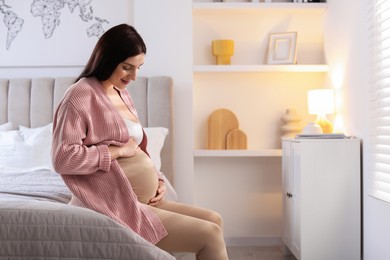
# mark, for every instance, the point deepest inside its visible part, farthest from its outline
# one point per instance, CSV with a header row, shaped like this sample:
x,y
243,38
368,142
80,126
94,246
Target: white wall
x,y
347,49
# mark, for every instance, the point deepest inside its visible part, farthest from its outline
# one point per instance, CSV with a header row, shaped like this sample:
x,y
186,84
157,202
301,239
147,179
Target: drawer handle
x,y
289,195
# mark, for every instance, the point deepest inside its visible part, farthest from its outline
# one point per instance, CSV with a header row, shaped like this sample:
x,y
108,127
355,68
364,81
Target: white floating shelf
x,y
238,153
261,68
319,8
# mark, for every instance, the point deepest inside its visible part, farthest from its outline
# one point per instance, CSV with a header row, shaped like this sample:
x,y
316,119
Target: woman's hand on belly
x,y
130,149
159,194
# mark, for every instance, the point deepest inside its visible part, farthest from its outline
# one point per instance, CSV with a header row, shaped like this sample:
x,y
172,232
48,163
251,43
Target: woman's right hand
x,y
131,148
128,150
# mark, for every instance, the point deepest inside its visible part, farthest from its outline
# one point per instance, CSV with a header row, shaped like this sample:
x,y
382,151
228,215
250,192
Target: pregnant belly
x,y
142,174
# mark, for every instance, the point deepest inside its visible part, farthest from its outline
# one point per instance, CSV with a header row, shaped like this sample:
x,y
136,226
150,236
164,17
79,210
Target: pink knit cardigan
x,y
85,124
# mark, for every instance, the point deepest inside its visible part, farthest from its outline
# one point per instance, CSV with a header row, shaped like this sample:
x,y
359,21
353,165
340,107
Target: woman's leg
x,y
193,211
191,229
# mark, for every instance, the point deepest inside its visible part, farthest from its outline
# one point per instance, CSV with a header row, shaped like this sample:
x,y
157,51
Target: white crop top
x,y
135,130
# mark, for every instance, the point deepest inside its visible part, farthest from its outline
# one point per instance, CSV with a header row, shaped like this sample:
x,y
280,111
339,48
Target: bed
x,y
35,219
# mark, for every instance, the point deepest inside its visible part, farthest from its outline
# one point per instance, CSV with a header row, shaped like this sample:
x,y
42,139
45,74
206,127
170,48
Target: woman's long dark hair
x,y
114,46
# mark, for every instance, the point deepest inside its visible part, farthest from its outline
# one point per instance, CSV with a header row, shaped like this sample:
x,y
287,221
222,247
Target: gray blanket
x,y
36,223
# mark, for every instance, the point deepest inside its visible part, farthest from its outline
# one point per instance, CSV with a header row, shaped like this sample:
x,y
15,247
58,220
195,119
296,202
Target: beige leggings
x,y
190,229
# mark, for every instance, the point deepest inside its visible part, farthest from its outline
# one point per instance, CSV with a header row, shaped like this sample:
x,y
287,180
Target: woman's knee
x,y
214,245
216,218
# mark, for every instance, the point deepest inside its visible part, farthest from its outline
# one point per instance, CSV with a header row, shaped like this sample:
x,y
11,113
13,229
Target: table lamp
x,y
320,103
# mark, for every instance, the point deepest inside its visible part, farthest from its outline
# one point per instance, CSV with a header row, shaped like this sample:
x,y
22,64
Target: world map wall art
x,y
55,32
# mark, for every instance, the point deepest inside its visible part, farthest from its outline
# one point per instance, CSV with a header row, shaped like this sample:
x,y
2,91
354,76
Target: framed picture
x,y
282,48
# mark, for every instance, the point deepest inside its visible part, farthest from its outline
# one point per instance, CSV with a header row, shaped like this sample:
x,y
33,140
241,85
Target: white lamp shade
x,y
320,101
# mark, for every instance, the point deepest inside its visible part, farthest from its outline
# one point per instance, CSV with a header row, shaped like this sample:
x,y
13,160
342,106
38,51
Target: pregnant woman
x,y
100,150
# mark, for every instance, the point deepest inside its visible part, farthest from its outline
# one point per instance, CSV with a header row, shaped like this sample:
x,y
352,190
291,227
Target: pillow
x,y
34,136
156,137
6,126
8,148
39,139
10,137
26,149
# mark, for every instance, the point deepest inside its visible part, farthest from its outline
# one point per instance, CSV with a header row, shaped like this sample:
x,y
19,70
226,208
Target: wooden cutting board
x,y
236,140
220,123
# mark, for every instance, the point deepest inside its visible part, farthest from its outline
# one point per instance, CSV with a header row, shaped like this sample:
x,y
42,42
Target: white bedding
x,y
36,221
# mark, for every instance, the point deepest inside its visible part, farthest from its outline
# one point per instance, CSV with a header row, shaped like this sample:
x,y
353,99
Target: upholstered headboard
x,y
31,102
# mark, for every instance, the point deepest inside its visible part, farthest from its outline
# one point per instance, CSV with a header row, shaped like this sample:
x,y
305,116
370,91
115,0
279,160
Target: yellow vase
x,y
223,50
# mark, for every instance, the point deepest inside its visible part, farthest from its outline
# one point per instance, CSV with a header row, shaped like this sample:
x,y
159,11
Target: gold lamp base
x,y
326,125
